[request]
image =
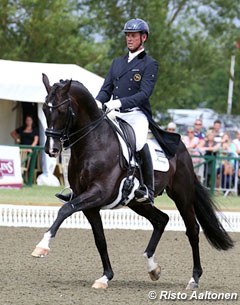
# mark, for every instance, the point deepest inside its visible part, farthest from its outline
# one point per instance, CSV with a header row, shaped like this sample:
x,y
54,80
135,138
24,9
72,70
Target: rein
x,y
64,135
91,127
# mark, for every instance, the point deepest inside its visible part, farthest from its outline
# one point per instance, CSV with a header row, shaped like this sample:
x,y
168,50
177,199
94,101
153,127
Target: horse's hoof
x,y
99,285
40,252
155,274
192,285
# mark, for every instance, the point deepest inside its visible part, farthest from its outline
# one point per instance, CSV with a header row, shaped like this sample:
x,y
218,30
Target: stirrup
x,y
142,195
67,197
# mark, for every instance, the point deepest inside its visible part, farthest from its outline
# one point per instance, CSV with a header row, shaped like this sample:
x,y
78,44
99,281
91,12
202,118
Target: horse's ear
x,y
46,82
67,86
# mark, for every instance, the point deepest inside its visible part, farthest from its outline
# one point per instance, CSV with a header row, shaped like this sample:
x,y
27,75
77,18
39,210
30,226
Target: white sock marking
x,y
151,265
44,243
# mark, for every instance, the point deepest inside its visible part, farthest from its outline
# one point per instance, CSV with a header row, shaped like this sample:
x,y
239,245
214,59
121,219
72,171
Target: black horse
x,y
95,173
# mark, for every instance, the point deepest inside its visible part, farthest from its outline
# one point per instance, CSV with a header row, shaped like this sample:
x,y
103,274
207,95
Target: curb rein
x,y
64,135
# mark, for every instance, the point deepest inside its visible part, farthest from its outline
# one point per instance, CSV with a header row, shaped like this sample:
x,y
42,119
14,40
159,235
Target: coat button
x,y
116,96
129,89
116,87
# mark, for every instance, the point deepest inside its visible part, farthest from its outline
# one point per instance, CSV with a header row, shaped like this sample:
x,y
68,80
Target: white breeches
x,y
139,123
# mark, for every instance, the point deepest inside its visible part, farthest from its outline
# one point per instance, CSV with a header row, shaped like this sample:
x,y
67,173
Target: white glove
x,y
99,104
114,104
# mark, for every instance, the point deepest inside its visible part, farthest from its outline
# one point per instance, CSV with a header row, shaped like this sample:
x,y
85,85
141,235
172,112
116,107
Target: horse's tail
x,y
206,215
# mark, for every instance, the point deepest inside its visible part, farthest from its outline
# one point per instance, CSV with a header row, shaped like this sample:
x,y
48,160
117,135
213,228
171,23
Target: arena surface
x,y
66,275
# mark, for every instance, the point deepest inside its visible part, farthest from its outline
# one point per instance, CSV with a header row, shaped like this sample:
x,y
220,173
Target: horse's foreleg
x,y
42,249
159,221
95,220
87,200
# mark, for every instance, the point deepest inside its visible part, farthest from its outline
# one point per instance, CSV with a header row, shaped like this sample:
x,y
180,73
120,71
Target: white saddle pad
x,y
160,162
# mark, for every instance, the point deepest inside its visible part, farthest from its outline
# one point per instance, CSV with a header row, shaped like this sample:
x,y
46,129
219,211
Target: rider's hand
x,y
114,104
99,104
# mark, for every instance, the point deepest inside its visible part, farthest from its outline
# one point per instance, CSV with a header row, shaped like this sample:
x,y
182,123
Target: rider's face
x,y
134,40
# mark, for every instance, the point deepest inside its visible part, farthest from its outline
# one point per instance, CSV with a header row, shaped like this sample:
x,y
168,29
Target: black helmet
x,y
136,25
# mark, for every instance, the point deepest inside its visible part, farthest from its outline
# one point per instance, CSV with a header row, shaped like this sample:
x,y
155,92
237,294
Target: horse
x,y
94,172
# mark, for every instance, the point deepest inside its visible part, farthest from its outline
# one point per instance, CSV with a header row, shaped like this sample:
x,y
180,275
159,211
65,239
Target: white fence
x,y
43,217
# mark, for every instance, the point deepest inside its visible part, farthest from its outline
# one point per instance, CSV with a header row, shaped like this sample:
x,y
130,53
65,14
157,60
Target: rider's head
x,y
136,31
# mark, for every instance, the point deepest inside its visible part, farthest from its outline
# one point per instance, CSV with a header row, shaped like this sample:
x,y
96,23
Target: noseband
x,y
64,135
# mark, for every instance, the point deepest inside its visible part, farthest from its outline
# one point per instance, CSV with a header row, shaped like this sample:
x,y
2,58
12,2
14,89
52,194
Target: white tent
x,y
22,82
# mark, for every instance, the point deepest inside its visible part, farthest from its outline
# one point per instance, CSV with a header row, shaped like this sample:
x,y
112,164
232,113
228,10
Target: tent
x,y
22,82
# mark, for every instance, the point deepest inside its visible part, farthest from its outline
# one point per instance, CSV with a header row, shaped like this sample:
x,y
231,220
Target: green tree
x,y
45,31
190,39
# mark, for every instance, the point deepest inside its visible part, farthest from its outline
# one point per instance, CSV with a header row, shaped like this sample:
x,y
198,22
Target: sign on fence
x,y
10,167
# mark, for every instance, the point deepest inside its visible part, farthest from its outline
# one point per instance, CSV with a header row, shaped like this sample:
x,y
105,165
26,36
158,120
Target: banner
x,y
10,167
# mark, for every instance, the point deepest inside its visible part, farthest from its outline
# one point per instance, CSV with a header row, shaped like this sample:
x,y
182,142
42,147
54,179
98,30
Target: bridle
x,y
64,135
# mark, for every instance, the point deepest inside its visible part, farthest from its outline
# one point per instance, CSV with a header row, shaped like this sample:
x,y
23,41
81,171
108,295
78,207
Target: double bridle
x,y
64,135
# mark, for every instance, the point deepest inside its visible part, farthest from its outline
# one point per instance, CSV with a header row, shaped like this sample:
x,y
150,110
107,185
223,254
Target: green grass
x,y
44,195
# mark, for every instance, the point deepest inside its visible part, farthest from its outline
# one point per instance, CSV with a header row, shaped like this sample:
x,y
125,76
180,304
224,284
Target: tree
x,y
45,31
190,39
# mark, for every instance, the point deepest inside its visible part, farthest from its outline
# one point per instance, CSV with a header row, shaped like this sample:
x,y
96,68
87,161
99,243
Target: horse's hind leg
x,y
95,220
159,221
184,201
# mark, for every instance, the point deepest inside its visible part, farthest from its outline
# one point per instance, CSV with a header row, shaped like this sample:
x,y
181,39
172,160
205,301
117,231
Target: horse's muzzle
x,y
52,147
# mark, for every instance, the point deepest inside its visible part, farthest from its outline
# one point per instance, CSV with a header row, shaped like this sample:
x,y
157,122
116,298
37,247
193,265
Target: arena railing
x,y
218,172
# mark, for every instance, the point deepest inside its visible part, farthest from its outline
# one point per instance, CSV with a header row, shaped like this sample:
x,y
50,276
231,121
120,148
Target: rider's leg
x,y
145,193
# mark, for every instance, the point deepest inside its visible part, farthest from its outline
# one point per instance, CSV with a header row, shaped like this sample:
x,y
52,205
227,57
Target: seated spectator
x,y
171,127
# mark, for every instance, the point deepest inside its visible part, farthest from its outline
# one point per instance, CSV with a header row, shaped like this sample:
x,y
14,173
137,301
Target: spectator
x,y
217,127
227,168
171,127
198,125
227,145
236,141
192,144
190,140
26,134
210,148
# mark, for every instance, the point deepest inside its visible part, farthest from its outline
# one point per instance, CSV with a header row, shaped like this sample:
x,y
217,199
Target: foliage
x,y
192,41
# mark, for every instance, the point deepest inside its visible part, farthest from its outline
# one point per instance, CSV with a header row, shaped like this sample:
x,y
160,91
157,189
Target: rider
x,y
130,82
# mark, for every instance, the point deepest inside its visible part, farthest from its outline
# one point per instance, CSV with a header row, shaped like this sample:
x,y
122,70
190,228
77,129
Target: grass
x,y
44,195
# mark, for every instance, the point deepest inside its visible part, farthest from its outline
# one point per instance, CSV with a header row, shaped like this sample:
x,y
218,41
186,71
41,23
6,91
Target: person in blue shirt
x,y
126,91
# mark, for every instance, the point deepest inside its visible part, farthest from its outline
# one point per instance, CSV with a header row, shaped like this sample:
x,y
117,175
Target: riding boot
x,y
145,193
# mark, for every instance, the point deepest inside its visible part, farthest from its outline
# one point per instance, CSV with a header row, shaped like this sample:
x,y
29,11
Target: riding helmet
x,y
136,25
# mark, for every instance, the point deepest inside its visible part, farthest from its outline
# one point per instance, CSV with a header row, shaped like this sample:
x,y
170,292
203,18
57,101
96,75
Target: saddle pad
x,y
160,162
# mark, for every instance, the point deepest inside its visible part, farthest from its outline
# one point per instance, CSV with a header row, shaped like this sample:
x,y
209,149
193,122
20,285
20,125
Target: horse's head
x,y
59,115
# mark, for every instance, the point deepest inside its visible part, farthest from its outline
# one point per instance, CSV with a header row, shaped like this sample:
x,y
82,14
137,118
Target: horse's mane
x,y
76,86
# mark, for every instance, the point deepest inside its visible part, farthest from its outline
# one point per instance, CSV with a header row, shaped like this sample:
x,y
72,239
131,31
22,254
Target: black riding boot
x,y
145,193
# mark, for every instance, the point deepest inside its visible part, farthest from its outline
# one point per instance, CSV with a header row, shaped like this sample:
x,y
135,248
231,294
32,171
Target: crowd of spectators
x,y
211,142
